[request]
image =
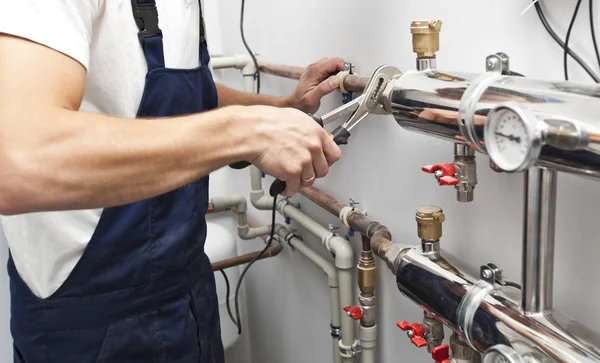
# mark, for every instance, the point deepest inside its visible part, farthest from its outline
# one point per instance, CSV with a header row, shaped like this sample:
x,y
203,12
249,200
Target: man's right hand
x,y
289,145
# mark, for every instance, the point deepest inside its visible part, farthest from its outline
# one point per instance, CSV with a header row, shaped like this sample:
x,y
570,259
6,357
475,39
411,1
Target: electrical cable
x,y
565,58
554,36
257,74
227,299
593,29
239,283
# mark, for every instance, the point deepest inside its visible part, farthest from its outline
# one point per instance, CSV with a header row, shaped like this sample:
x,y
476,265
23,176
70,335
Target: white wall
x,y
287,296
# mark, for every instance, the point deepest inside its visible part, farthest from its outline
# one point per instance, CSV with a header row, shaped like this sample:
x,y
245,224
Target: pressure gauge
x,y
502,354
513,137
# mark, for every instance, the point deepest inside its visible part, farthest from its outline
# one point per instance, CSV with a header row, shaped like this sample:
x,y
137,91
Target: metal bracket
x,y
350,352
498,62
335,332
492,274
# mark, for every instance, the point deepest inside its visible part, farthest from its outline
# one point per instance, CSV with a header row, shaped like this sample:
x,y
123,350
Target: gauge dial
x,y
512,138
502,354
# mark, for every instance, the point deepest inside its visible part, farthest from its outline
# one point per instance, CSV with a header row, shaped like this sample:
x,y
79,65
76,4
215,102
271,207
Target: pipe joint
x,y
344,254
368,336
249,68
369,310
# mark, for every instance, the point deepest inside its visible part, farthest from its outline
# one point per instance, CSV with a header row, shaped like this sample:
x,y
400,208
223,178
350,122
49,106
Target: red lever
x,y
355,312
447,172
441,354
417,332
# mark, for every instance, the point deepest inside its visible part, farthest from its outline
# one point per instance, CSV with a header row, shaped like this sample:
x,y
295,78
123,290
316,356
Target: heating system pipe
x,y
340,247
485,314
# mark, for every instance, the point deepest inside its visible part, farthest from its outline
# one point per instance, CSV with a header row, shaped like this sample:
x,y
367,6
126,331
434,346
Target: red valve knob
x,y
447,172
355,312
441,354
417,332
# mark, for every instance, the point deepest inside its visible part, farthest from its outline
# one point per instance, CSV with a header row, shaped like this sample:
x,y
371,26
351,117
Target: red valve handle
x,y
355,312
417,330
448,171
441,354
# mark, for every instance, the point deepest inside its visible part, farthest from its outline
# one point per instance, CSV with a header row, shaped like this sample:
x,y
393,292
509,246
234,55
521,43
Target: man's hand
x,y
319,79
288,145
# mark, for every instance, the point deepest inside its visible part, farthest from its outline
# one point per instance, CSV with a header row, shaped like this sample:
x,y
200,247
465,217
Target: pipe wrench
x,y
353,112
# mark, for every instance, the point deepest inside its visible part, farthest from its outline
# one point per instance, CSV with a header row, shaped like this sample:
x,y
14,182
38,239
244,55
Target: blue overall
x,y
144,290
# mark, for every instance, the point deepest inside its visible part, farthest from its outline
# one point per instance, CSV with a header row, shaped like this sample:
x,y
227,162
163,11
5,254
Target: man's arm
x,y
54,157
318,80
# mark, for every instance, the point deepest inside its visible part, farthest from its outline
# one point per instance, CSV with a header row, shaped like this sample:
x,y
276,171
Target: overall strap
x,y
150,35
204,56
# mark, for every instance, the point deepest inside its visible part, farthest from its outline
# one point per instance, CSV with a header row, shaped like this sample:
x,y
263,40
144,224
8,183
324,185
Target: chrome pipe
x,y
454,106
538,240
488,315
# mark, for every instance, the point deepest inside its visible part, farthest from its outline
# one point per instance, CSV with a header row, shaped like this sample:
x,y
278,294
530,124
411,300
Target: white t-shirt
x,y
102,36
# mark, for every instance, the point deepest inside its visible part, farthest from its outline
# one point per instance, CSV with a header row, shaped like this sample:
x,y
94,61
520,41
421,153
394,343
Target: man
x,y
106,226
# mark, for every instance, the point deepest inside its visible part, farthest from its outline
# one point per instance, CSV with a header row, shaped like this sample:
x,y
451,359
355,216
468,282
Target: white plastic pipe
x,y
240,206
368,340
344,262
257,195
234,61
332,274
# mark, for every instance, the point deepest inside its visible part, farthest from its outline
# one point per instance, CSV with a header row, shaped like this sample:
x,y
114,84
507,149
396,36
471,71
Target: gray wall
x,y
287,297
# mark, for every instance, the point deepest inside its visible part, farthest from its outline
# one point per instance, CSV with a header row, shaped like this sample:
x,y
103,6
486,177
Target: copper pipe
x,y
352,83
379,235
323,200
272,251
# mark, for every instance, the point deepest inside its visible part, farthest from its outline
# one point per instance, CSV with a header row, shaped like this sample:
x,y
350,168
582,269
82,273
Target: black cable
x,y
569,37
227,297
248,47
239,283
593,28
554,36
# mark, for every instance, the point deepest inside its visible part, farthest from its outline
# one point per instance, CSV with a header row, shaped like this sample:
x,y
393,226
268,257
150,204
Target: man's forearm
x,y
230,97
76,160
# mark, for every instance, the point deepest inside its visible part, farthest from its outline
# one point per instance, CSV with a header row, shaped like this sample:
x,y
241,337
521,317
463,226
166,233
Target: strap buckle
x,y
146,18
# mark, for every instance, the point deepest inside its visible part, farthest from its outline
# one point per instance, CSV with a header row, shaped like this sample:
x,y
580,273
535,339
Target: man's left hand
x,y
319,79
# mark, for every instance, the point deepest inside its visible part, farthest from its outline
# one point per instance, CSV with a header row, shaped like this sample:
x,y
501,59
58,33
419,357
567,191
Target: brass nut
x,y
429,222
426,37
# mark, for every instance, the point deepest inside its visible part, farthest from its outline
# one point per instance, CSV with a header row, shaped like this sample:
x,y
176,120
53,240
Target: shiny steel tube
x,y
442,288
538,240
454,106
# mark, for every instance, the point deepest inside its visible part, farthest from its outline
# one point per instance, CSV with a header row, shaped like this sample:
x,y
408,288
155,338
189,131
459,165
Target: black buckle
x,y
146,18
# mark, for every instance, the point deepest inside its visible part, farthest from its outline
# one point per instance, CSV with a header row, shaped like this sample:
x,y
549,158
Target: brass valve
x,y
426,37
367,273
429,221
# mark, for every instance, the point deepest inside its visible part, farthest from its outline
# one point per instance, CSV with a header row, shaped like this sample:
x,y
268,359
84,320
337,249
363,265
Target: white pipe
x,y
336,318
332,274
368,340
234,61
257,194
239,205
344,262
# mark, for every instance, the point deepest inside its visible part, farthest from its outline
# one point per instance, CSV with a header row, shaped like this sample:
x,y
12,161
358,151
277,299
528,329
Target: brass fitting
x,y
426,37
367,273
429,222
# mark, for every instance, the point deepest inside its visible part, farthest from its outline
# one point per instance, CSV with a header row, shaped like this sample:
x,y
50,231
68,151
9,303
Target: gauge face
x,y
511,139
502,354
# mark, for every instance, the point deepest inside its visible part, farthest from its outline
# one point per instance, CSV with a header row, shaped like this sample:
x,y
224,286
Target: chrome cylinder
x,y
454,106
538,240
446,291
